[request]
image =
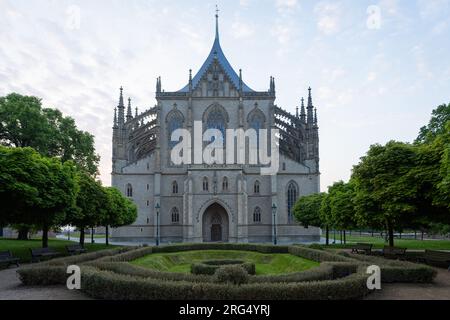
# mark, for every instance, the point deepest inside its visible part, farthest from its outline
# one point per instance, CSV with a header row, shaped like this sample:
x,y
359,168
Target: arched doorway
x,y
215,224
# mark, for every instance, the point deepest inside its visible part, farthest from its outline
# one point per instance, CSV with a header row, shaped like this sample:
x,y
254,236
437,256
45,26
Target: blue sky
x,y
369,84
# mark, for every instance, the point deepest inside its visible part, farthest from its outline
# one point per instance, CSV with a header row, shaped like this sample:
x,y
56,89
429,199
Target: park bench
x,y
394,252
437,258
42,253
75,249
7,258
362,247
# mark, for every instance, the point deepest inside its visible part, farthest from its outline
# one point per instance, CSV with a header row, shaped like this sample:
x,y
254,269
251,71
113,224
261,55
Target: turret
x,y
310,112
303,112
121,108
129,112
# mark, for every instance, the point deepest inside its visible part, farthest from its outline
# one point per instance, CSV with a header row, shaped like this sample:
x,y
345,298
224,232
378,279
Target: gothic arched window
x,y
205,184
175,187
257,187
175,121
256,120
175,216
292,194
129,191
217,118
225,184
257,215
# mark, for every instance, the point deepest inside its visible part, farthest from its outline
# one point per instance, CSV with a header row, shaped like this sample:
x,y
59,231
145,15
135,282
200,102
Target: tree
x,y
35,190
384,192
341,206
120,211
325,216
24,123
90,205
436,126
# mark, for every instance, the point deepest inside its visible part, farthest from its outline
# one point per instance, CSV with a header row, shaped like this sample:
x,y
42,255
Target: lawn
x,y
404,243
21,248
265,263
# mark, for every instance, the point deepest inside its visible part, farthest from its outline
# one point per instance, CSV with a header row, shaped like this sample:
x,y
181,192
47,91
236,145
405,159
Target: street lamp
x,y
274,213
157,223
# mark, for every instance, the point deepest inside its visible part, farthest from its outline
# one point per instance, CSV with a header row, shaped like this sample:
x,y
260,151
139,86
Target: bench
x,y
362,247
394,252
437,258
75,249
42,253
7,258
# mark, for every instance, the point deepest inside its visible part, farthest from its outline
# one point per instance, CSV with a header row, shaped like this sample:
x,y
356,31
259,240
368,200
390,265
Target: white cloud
x,y
328,17
242,29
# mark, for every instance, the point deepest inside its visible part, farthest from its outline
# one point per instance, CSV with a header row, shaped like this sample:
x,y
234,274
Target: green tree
x,y
384,192
325,216
90,205
120,211
307,210
436,126
35,190
342,210
24,123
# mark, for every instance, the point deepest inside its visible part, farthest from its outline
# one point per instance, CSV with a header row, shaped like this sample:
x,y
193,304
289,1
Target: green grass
x,y
21,248
87,236
265,263
410,244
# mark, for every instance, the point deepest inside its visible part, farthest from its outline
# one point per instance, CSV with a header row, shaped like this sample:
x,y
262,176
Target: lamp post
x,y
274,213
157,223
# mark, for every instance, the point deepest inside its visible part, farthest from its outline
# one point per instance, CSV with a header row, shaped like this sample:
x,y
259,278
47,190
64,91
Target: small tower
x,y
121,108
129,112
303,112
310,108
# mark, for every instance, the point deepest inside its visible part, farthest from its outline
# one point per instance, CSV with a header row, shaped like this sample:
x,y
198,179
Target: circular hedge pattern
x,y
209,267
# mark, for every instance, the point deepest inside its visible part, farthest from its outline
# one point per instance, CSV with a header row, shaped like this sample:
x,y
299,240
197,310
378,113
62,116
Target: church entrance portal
x,y
215,224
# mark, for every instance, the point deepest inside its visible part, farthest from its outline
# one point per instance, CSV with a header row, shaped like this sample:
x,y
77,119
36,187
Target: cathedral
x,y
199,202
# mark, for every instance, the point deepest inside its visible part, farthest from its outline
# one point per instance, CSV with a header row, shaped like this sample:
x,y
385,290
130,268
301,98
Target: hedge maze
x,y
109,275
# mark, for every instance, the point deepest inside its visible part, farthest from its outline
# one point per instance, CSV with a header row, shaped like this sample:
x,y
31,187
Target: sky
x,y
377,68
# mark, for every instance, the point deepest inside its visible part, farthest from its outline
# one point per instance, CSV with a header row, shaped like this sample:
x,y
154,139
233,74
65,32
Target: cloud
x,y
328,17
242,29
286,6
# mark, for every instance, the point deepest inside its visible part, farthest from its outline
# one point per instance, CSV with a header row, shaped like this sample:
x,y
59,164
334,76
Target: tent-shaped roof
x,y
217,53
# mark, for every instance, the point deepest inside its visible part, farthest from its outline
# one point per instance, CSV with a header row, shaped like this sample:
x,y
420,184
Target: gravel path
x,y
439,290
12,289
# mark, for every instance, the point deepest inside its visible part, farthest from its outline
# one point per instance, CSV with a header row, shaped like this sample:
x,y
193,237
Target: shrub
x,y
209,267
233,274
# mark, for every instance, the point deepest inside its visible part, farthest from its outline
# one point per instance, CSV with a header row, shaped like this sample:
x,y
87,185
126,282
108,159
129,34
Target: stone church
x,y
215,202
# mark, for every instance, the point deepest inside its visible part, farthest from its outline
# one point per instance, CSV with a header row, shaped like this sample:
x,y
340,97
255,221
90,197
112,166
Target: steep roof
x,y
217,53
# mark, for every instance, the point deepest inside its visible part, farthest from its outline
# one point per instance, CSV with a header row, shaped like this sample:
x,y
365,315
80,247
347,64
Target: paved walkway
x,y
439,290
12,289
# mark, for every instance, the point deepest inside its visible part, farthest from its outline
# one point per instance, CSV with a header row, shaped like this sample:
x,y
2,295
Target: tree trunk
x,y
82,237
422,235
107,235
391,235
92,235
327,231
45,236
415,235
22,233
345,237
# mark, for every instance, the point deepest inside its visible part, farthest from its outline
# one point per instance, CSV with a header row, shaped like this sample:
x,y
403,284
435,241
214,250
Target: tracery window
x,y
292,194
257,215
175,216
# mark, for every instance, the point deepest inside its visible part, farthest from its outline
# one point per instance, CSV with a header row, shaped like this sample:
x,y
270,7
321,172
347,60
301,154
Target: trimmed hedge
x,y
107,285
209,267
108,275
231,274
398,271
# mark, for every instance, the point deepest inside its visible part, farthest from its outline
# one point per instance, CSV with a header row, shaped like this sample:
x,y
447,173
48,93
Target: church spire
x,y
310,108
217,22
121,107
115,119
303,111
129,113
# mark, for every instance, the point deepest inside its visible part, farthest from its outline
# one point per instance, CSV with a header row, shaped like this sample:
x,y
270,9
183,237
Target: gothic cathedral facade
x,y
214,203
